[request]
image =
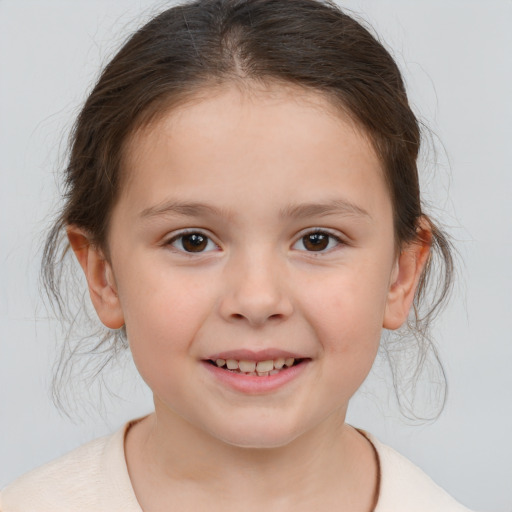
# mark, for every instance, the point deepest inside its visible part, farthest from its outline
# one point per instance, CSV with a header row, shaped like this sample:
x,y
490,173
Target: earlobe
x,y
100,278
405,278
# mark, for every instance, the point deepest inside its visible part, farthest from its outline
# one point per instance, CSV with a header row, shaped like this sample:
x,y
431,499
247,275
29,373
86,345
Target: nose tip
x,y
256,294
258,314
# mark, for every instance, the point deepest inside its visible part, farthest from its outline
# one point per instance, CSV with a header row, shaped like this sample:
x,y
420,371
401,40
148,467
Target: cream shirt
x,y
94,478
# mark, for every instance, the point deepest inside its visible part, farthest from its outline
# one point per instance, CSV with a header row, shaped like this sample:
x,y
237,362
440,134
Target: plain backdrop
x,y
456,60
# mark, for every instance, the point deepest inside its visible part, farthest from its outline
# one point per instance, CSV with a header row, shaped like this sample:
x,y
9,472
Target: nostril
x,y
251,319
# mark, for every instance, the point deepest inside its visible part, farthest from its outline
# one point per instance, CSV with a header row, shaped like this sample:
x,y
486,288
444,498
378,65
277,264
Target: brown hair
x,y
191,47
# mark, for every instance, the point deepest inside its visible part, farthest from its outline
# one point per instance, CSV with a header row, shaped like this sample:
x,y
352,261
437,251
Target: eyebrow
x,y
298,211
333,207
189,209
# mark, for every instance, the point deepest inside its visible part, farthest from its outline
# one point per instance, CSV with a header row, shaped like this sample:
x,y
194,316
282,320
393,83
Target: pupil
x,y
194,242
316,241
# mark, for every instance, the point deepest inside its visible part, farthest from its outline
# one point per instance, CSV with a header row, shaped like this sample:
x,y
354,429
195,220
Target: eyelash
x,y
209,242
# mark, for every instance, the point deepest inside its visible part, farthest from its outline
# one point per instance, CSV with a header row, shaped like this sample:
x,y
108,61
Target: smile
x,y
256,372
256,368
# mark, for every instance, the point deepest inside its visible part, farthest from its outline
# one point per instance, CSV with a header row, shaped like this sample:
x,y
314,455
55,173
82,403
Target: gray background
x,y
456,59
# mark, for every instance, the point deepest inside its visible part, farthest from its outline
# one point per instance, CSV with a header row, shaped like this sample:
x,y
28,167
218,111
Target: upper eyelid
x,y
331,232
188,231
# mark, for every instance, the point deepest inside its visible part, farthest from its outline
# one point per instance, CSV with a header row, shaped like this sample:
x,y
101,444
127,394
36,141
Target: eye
x,y
193,242
317,241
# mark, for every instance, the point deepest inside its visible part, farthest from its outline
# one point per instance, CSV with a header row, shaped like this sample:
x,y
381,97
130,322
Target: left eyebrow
x,y
334,207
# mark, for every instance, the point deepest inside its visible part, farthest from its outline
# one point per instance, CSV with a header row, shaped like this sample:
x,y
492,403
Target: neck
x,y
331,456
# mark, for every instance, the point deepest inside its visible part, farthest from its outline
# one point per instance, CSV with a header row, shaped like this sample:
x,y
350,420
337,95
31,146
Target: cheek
x,y
349,328
346,310
163,314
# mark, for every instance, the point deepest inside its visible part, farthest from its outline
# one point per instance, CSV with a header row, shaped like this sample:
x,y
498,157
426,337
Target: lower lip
x,y
254,385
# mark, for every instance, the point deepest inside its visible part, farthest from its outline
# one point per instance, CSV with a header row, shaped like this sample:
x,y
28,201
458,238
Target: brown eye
x,y
316,241
193,242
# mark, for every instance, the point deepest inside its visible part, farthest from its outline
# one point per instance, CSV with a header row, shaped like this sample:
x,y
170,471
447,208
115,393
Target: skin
x,y
255,159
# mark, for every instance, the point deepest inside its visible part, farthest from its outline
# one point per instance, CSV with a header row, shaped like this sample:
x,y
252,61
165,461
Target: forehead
x,y
283,137
223,104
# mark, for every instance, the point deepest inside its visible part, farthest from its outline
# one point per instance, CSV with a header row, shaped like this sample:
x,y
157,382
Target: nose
x,y
255,290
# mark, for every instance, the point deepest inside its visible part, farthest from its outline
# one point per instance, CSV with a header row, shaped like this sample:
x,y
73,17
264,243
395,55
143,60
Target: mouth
x,y
265,368
256,372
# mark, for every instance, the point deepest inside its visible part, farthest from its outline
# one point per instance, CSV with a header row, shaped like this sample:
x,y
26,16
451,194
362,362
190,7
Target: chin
x,y
256,442
259,436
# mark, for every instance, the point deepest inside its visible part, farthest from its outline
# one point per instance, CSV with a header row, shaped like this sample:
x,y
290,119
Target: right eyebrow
x,y
182,208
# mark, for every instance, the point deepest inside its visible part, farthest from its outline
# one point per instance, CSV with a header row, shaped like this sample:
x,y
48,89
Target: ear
x,y
406,276
100,278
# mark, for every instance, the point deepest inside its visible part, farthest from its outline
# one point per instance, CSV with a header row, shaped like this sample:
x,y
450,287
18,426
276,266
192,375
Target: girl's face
x,y
253,227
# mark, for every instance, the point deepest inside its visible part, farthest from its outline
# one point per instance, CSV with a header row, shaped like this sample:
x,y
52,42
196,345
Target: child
x,y
243,200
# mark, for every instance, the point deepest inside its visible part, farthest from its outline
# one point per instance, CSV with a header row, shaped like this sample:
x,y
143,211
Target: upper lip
x,y
254,355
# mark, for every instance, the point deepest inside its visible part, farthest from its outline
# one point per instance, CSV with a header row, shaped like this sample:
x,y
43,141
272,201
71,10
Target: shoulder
x,y
406,488
93,477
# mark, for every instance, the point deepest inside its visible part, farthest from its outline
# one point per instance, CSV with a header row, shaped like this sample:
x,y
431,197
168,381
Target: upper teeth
x,y
253,366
